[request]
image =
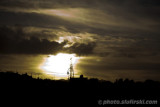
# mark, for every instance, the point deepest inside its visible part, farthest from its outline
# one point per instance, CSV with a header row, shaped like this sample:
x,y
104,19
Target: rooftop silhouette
x,y
81,91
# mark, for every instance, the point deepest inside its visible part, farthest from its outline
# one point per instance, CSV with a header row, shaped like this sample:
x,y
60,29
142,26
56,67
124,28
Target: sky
x,y
114,38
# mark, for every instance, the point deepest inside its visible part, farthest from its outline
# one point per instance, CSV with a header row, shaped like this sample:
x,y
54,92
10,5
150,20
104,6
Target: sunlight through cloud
x,y
58,65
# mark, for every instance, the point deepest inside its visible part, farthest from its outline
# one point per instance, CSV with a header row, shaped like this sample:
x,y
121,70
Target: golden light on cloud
x,y
57,65
81,15
67,13
63,13
76,37
90,17
78,15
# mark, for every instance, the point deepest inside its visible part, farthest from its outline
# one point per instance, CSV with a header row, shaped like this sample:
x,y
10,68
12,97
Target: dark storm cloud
x,y
47,21
80,3
81,49
120,8
40,20
31,19
142,47
132,25
129,15
14,42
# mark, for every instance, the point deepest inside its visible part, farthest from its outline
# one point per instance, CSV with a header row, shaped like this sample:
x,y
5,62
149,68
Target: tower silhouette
x,y
70,71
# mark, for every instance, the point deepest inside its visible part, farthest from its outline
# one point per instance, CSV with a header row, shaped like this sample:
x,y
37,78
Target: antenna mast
x,y
70,71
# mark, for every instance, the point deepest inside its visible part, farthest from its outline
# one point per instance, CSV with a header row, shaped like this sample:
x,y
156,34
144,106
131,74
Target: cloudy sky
x,y
116,38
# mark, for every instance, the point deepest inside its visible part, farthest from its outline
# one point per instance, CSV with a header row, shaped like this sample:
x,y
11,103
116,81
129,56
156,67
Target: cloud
x,y
72,3
96,16
81,49
119,28
13,41
41,20
132,46
106,14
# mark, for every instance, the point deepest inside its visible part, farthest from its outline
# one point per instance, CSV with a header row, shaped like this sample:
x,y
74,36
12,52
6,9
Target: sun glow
x,y
58,65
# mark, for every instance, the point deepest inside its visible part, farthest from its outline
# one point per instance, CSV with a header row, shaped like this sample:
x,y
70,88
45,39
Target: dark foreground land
x,y
23,90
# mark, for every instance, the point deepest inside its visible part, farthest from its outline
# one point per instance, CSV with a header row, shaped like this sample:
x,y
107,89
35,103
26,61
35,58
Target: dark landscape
x,y
16,88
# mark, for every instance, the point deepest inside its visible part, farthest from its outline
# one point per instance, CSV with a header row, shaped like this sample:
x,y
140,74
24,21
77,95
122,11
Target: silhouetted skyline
x,y
81,91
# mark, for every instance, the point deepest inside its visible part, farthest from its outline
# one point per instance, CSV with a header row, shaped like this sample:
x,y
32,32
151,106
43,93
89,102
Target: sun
x,y
58,65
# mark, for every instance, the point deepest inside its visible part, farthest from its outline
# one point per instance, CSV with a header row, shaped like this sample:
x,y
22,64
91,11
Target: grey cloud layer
x,y
14,42
124,27
113,14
